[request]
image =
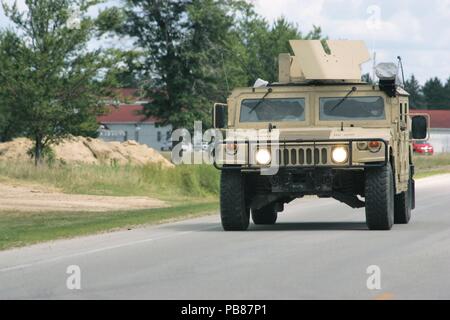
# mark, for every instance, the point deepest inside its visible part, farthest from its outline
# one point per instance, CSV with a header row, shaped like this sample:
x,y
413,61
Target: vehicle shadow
x,y
311,226
281,226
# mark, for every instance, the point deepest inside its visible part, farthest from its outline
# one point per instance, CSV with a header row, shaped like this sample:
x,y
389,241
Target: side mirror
x,y
419,127
219,115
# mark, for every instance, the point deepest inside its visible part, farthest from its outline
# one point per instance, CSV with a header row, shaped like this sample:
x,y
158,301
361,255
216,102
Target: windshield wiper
x,y
343,99
269,90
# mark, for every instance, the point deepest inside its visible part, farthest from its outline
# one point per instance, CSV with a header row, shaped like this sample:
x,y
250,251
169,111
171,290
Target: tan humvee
x,y
323,132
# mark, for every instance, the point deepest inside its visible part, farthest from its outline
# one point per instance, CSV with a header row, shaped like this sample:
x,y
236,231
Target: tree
x,y
127,72
168,33
195,51
278,42
447,94
415,92
434,94
48,78
9,51
259,45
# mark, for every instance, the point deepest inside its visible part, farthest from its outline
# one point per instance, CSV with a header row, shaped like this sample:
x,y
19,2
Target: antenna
x,y
238,58
225,72
401,68
373,67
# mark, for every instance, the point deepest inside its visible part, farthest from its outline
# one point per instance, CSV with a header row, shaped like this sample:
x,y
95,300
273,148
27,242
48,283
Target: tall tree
x,y
176,37
415,92
197,50
434,94
10,48
261,43
447,94
47,76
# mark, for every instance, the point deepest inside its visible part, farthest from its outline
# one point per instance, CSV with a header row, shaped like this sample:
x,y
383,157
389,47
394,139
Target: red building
x,y
125,121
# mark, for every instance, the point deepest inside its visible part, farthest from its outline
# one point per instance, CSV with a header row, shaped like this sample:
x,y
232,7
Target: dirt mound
x,y
87,150
74,150
15,150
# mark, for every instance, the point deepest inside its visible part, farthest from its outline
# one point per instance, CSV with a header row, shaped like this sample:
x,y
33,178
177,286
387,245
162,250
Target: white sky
x,y
418,31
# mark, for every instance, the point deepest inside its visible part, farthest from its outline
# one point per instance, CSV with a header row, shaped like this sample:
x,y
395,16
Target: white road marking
x,y
122,245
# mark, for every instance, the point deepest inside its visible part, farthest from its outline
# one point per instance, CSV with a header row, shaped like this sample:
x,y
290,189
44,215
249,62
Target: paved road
x,y
319,249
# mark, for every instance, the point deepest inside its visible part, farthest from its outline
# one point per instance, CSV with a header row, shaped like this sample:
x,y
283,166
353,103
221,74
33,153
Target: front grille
x,y
303,155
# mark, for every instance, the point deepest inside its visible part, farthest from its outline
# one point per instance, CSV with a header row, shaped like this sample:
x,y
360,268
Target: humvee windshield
x,y
352,108
285,109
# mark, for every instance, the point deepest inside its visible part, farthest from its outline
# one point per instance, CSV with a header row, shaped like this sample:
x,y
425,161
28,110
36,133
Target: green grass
x,y
189,189
174,185
20,229
432,165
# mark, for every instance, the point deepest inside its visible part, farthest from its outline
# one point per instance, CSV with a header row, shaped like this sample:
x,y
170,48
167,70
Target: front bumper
x,y
300,154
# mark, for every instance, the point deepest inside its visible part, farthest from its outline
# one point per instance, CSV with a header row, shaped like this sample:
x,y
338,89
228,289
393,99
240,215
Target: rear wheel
x,y
403,203
379,196
265,215
234,213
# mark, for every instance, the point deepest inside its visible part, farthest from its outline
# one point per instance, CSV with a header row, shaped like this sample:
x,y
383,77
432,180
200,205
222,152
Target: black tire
x,y
403,203
234,213
379,196
265,215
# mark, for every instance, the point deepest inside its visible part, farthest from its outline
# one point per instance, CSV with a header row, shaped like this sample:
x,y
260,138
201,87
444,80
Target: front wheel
x,y
234,213
379,197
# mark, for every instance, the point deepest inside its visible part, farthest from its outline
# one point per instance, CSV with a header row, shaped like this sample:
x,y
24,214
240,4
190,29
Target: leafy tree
x,y
259,45
127,72
49,81
279,35
195,51
415,92
168,33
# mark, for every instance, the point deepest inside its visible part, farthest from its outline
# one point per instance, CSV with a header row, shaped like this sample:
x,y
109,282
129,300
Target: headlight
x,y
374,146
339,154
231,148
263,157
362,145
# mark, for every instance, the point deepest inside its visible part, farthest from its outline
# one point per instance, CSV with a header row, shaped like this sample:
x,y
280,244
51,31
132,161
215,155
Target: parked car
x,y
423,147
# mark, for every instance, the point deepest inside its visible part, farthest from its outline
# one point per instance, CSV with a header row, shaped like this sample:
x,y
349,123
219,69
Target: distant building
x,y
439,129
125,121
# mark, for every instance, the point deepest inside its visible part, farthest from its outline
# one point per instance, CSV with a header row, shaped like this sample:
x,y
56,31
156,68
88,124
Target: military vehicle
x,y
337,137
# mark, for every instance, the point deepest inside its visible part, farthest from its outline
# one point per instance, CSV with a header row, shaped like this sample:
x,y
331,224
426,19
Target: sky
x,y
418,31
